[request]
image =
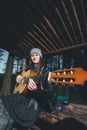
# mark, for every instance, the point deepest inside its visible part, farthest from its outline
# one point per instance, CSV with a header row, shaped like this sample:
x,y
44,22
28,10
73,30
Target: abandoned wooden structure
x,y
55,26
52,25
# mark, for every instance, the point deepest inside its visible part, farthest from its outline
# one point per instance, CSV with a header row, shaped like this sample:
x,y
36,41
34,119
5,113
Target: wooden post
x,y
24,64
8,76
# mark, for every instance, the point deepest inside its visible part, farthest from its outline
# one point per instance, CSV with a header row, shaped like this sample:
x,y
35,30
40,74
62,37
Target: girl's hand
x,y
32,85
19,79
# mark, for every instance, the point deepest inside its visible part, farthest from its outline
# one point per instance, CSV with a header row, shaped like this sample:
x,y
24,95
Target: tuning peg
x,y
58,73
63,80
71,80
64,72
71,72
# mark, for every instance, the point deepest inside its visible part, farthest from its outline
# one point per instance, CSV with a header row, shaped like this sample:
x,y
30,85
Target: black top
x,y
25,108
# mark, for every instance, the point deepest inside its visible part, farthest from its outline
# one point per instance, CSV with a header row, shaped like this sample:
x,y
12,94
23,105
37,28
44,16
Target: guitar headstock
x,y
70,76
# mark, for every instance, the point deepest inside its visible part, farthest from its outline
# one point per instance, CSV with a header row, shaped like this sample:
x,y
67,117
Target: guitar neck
x,y
73,76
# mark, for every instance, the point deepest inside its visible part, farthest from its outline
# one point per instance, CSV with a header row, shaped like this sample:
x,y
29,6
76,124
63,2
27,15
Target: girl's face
x,y
35,57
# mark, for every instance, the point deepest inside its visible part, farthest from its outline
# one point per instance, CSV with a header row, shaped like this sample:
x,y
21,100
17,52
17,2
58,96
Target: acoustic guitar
x,y
72,76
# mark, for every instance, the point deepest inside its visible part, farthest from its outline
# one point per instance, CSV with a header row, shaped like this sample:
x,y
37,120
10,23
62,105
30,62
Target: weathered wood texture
x,y
76,111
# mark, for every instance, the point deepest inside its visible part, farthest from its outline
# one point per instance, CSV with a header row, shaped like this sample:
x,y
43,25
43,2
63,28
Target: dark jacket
x,y
26,108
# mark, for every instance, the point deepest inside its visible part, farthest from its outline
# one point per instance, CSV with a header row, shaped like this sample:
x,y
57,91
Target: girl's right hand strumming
x,y
32,85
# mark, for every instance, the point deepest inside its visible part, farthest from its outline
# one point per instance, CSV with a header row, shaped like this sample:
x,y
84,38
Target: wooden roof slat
x,y
69,19
59,15
52,25
77,19
38,41
44,34
42,40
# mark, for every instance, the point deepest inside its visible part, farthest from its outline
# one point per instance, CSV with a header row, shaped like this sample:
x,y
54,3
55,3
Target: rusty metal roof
x,y
52,25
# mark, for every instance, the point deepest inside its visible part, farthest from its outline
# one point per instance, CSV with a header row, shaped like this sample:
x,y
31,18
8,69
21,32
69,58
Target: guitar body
x,y
22,87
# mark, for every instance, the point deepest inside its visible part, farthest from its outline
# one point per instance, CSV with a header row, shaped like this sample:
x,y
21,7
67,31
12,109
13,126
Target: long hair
x,y
31,65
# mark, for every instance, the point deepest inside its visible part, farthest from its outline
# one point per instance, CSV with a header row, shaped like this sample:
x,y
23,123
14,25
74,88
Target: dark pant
x,y
5,119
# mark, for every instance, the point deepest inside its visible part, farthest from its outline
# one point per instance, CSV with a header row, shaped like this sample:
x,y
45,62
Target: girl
x,y
25,108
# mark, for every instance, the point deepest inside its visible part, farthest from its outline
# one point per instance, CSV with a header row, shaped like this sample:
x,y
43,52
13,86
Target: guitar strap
x,y
41,70
41,86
